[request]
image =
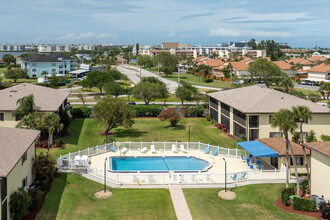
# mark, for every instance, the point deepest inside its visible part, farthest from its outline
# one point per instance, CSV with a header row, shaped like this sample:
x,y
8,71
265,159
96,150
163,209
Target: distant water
x,y
12,53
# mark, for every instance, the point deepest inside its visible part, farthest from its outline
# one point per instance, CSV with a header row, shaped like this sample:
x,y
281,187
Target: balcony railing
x,y
240,120
213,105
225,112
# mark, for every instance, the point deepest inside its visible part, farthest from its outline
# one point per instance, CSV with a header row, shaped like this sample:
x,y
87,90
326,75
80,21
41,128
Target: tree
x,y
170,114
113,113
45,73
25,106
19,203
310,137
82,98
149,89
314,97
51,122
54,81
287,83
186,92
98,79
205,70
113,88
8,59
137,47
285,121
16,73
44,166
168,62
301,115
163,94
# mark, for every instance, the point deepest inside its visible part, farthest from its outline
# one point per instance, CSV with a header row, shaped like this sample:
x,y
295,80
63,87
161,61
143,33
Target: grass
x,y
3,70
72,197
194,80
252,202
84,133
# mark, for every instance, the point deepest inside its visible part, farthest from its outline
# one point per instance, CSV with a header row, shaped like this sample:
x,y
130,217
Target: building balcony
x,y
213,105
240,120
225,112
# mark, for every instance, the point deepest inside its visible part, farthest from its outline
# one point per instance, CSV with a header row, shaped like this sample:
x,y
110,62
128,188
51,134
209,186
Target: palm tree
x,y
301,113
25,106
44,73
51,122
287,83
206,70
285,121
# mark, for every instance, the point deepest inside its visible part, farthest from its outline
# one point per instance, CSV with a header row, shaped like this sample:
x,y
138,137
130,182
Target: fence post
x,y
176,144
164,148
275,174
117,178
141,144
69,156
153,142
88,151
148,179
199,145
130,145
228,152
97,149
236,152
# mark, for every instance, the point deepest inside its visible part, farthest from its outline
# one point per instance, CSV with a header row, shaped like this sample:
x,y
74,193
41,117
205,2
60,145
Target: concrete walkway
x,y
179,202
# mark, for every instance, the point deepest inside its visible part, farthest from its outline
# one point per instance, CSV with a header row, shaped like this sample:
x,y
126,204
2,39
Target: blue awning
x,y
257,149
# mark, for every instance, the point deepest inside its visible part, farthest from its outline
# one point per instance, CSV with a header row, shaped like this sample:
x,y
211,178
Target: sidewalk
x,y
179,202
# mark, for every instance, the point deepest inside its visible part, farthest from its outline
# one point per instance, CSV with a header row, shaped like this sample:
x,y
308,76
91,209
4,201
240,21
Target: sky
x,y
301,23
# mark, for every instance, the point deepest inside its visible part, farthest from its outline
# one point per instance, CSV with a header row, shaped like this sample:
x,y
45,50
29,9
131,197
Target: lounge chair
x,y
207,150
84,160
151,179
234,177
215,153
243,159
261,167
251,166
193,178
258,163
112,148
135,179
77,160
143,150
243,176
182,149
124,150
174,148
152,149
208,178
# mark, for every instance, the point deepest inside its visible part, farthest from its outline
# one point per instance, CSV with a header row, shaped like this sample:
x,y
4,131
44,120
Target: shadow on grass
x,y
178,127
53,198
74,131
122,133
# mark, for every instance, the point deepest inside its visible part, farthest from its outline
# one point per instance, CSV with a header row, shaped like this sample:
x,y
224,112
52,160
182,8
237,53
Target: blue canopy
x,y
258,149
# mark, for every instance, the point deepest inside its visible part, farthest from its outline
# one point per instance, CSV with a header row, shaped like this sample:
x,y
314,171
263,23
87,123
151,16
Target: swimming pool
x,y
158,164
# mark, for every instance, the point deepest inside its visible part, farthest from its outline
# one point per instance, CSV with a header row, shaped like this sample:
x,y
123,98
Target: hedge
x,y
82,112
325,209
35,202
286,193
193,111
147,110
303,204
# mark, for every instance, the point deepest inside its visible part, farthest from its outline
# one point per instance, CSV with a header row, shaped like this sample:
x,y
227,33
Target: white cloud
x,y
89,35
171,34
239,32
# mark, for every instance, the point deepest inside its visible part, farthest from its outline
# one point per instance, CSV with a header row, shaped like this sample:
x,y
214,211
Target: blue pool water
x,y
157,164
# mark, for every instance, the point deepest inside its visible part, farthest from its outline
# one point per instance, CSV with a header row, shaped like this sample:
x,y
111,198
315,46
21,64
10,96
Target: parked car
x,y
131,103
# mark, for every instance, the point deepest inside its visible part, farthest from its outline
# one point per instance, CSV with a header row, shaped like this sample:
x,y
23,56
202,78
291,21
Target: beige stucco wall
x,y
9,120
320,175
19,172
300,168
317,75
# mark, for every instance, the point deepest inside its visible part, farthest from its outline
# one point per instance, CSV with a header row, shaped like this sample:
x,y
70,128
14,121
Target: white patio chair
x,y
77,160
174,148
143,150
152,149
183,149
84,160
151,179
124,150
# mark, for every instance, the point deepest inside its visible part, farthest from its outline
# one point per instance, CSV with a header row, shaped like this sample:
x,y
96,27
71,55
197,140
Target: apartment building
x,y
63,47
248,111
12,47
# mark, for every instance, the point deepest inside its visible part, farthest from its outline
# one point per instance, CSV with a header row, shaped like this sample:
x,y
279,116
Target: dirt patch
x,y
103,195
227,195
280,205
109,133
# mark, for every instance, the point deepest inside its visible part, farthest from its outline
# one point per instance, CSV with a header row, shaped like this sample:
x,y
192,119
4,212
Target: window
x,y
214,114
254,121
34,75
306,120
275,134
53,70
270,119
34,70
299,161
239,131
53,64
34,64
253,134
24,182
1,117
226,122
24,157
18,117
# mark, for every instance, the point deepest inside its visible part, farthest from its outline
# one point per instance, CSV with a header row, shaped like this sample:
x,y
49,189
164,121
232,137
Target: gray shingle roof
x,y
257,99
52,57
321,147
14,142
45,99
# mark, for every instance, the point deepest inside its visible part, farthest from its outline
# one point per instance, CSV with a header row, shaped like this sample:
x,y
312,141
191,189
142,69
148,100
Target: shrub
x,y
310,137
213,121
44,166
242,138
303,204
208,80
57,142
19,203
196,111
325,137
147,110
35,202
170,114
82,112
286,193
44,184
325,209
208,117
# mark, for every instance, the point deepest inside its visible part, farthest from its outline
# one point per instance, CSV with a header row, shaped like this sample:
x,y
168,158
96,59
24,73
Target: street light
x,y
225,174
189,135
105,174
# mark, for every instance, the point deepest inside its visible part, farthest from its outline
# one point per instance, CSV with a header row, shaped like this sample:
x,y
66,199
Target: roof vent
x,y
13,90
282,97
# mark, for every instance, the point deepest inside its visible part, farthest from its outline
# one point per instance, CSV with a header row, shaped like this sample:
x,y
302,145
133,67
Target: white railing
x,y
67,161
186,178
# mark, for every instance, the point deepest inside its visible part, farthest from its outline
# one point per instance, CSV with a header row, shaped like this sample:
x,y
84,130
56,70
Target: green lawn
x,y
252,202
3,70
84,133
72,197
194,80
